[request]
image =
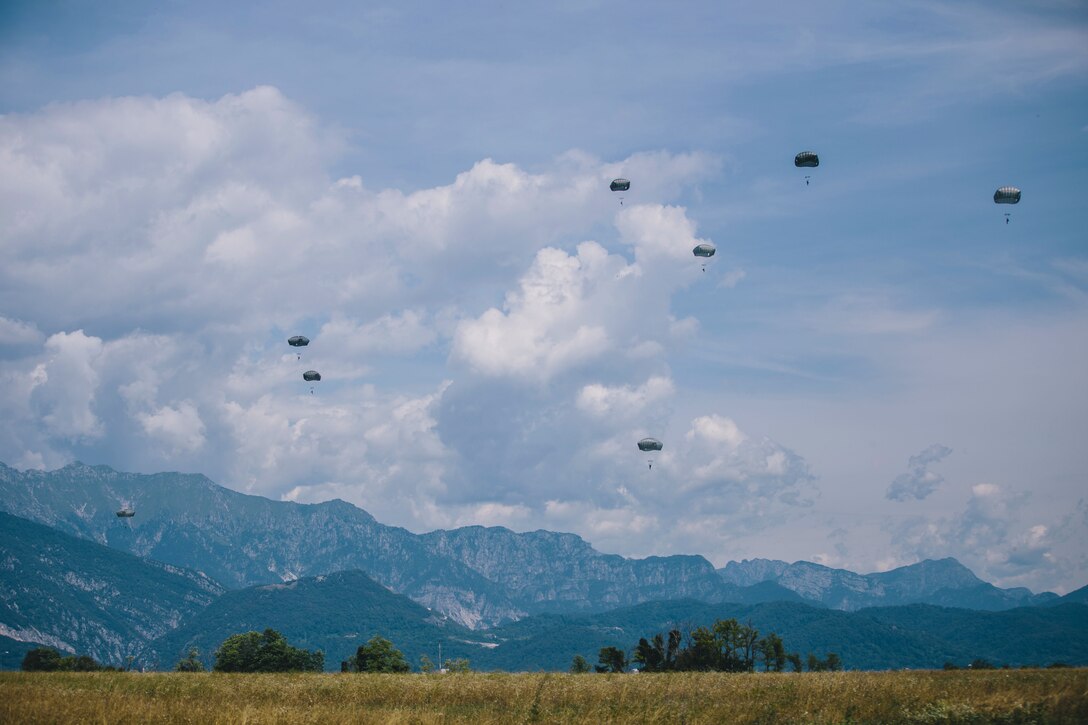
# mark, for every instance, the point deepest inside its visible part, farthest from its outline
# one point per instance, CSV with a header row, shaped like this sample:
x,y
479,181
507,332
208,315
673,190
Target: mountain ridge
x,y
478,576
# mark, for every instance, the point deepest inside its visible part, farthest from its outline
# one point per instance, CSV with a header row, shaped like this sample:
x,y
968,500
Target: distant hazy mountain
x,y
943,582
334,613
917,636
546,571
243,540
477,576
85,598
752,571
1077,595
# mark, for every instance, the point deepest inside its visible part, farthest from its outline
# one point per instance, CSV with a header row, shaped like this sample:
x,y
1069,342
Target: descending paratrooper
x,y
651,446
1007,195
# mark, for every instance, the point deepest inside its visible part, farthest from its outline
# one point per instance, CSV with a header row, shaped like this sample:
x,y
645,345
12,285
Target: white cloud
x,y
555,321
17,332
999,539
180,427
624,401
573,309
919,482
65,385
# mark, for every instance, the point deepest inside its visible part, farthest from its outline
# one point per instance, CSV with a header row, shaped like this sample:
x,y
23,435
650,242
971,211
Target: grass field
x,y
1003,696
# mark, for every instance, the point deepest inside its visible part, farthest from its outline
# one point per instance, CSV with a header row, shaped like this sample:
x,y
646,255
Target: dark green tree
x,y
41,659
426,665
266,651
795,661
773,652
191,663
379,655
650,656
579,666
611,659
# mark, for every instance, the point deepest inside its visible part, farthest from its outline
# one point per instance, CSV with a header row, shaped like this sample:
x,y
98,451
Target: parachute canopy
x,y
1007,195
619,185
311,376
126,513
298,341
649,444
806,159
704,250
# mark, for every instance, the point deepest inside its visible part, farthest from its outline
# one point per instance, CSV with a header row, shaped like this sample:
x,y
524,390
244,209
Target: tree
x,y
426,665
191,663
795,661
41,659
458,666
612,659
774,653
266,651
379,655
579,666
651,657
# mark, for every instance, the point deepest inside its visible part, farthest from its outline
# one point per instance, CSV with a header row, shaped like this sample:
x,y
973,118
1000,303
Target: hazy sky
x,y
874,368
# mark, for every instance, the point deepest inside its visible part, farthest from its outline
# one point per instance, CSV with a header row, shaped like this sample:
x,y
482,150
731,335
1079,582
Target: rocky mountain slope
x,y
334,613
476,576
85,598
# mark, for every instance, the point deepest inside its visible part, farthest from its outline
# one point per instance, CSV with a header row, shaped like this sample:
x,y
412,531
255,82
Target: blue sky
x,y
874,368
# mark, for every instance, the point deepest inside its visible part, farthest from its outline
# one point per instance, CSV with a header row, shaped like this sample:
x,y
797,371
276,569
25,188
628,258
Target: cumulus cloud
x,y
179,427
550,324
625,401
571,309
64,386
17,332
995,536
919,482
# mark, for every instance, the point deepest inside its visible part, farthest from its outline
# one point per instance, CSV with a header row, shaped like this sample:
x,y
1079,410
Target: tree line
x,y
266,651
726,646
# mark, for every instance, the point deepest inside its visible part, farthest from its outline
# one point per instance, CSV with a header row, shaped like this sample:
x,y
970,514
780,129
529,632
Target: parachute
x,y
311,376
298,341
806,160
126,513
1007,195
650,445
620,185
704,250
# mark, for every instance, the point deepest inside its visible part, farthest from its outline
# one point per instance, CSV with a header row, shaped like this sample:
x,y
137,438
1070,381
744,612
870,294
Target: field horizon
x,y
1002,696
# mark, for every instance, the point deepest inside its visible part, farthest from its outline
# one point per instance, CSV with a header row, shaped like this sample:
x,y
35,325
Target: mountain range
x,y
199,560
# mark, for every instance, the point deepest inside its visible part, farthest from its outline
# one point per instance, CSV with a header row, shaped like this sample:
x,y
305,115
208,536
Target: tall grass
x,y
1002,696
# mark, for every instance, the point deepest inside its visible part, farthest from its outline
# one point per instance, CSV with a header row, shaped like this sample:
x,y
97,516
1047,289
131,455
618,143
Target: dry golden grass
x,y
1004,696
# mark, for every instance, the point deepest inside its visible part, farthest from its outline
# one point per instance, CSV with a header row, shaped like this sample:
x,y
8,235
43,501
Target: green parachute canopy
x,y
806,159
